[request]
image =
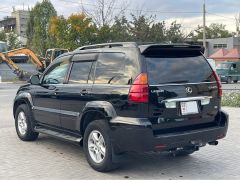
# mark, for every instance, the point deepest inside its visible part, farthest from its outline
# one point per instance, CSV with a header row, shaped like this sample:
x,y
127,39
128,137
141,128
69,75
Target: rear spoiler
x,y
160,49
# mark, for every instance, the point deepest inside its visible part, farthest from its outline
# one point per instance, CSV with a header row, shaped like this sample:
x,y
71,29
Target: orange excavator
x,y
40,65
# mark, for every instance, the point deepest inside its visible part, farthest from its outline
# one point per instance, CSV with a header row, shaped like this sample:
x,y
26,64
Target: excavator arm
x,y
20,73
34,59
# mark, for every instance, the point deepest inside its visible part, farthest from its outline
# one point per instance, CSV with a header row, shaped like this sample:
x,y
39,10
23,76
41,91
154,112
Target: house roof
x,y
233,54
226,54
219,54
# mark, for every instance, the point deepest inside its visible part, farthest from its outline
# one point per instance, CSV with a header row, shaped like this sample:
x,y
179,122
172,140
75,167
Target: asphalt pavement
x,y
49,158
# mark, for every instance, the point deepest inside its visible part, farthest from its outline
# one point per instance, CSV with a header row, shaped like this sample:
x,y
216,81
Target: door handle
x,y
84,92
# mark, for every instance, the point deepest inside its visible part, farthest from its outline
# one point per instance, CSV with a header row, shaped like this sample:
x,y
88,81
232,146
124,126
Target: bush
x,y
231,99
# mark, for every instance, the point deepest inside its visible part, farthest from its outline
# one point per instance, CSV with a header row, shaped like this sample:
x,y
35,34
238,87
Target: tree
x,y
120,30
3,36
158,32
38,27
13,41
213,31
140,27
73,32
105,11
174,33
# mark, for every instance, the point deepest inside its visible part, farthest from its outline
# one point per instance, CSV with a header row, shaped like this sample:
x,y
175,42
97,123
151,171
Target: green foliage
x,y
13,41
38,27
73,32
47,30
213,31
231,99
3,36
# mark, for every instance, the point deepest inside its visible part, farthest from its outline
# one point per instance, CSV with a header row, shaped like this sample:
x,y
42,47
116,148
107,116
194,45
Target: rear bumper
x,y
140,138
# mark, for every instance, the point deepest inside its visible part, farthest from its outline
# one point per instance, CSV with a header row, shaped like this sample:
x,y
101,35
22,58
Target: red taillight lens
x,y
219,85
139,91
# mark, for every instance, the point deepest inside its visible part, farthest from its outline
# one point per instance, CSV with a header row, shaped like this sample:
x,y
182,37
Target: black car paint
x,y
134,126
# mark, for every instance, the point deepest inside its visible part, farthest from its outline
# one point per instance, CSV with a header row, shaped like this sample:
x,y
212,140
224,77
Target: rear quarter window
x,y
112,68
190,69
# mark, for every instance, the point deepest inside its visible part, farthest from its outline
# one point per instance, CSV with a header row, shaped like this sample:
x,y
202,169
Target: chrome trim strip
x,y
186,99
131,121
57,111
180,84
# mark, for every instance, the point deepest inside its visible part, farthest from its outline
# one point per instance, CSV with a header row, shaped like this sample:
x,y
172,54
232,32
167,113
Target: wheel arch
x,y
96,110
22,98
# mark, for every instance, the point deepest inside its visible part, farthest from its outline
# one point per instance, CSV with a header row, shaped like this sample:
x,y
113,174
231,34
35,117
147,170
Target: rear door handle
x,y
84,92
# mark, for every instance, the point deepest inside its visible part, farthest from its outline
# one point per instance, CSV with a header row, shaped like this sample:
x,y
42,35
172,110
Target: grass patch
x,y
231,99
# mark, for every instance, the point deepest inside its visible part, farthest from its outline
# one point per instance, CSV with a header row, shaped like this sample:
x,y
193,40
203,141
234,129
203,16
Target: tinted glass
x,y
178,70
56,73
80,72
110,69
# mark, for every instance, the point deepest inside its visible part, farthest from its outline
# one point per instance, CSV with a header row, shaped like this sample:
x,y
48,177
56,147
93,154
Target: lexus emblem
x,y
188,90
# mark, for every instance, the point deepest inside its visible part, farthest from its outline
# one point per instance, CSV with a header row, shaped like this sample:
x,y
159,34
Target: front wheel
x,y
98,147
23,125
235,81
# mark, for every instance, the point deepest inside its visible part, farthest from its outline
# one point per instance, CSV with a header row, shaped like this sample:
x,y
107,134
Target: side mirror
x,y
35,80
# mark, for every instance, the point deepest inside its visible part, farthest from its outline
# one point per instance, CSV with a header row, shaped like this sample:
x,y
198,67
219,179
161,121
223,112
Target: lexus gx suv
x,y
122,97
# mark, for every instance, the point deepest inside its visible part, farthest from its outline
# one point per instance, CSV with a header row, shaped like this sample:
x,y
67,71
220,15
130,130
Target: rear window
x,y
190,69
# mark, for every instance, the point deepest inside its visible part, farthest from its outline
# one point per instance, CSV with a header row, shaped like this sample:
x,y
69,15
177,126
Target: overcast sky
x,y
186,12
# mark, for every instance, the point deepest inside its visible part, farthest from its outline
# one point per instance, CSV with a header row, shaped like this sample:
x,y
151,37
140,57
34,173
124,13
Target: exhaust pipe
x,y
213,143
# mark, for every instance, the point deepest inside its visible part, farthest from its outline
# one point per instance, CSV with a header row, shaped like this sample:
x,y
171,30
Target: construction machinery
x,y
40,64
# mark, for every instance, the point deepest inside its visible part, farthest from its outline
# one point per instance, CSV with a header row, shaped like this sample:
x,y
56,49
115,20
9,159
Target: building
x,y
17,22
214,45
223,55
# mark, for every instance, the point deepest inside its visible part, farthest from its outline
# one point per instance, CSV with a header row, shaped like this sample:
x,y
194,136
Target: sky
x,y
186,12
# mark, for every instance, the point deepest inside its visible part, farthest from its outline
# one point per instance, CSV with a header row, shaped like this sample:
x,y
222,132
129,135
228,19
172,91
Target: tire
x,y
23,125
97,136
235,81
229,80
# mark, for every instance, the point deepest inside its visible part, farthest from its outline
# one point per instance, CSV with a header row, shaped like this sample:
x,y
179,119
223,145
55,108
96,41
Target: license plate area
x,y
190,107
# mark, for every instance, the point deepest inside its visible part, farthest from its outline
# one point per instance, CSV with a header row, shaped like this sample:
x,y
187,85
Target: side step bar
x,y
58,134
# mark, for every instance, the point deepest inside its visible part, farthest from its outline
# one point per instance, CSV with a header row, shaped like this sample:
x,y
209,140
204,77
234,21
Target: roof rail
x,y
109,45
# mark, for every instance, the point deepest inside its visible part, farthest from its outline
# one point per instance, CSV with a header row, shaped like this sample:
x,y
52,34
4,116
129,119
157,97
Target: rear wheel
x,y
98,147
23,124
229,80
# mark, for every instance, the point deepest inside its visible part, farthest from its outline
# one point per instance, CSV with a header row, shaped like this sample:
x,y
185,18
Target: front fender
x,y
21,97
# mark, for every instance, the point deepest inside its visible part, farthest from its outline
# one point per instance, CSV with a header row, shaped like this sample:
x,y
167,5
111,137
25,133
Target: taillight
x,y
218,83
139,90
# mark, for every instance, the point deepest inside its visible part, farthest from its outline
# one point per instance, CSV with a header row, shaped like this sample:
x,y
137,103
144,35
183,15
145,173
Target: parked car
x,y
212,63
229,72
120,97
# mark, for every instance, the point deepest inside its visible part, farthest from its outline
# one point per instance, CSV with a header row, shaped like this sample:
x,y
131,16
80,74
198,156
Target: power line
x,y
229,18
139,10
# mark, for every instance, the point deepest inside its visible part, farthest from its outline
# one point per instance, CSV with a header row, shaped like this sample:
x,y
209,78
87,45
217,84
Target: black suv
x,y
119,97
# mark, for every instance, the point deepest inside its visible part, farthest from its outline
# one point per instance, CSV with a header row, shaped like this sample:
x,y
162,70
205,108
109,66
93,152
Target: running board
x,y
58,134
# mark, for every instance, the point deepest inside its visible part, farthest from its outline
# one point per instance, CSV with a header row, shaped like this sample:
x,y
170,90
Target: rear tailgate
x,y
183,93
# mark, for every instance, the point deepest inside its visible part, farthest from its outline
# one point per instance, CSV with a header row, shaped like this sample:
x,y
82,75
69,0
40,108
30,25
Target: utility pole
x,y
204,27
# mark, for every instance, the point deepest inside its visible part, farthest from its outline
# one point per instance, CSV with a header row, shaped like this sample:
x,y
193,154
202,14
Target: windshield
x,y
223,66
178,70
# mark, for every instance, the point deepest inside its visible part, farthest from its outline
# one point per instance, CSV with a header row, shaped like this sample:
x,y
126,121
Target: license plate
x,y
189,108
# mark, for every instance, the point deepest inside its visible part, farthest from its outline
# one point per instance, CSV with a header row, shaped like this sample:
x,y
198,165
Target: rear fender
x,y
102,107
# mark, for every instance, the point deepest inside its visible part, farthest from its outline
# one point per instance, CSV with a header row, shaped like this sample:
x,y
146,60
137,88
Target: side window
x,y
110,69
57,73
80,73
